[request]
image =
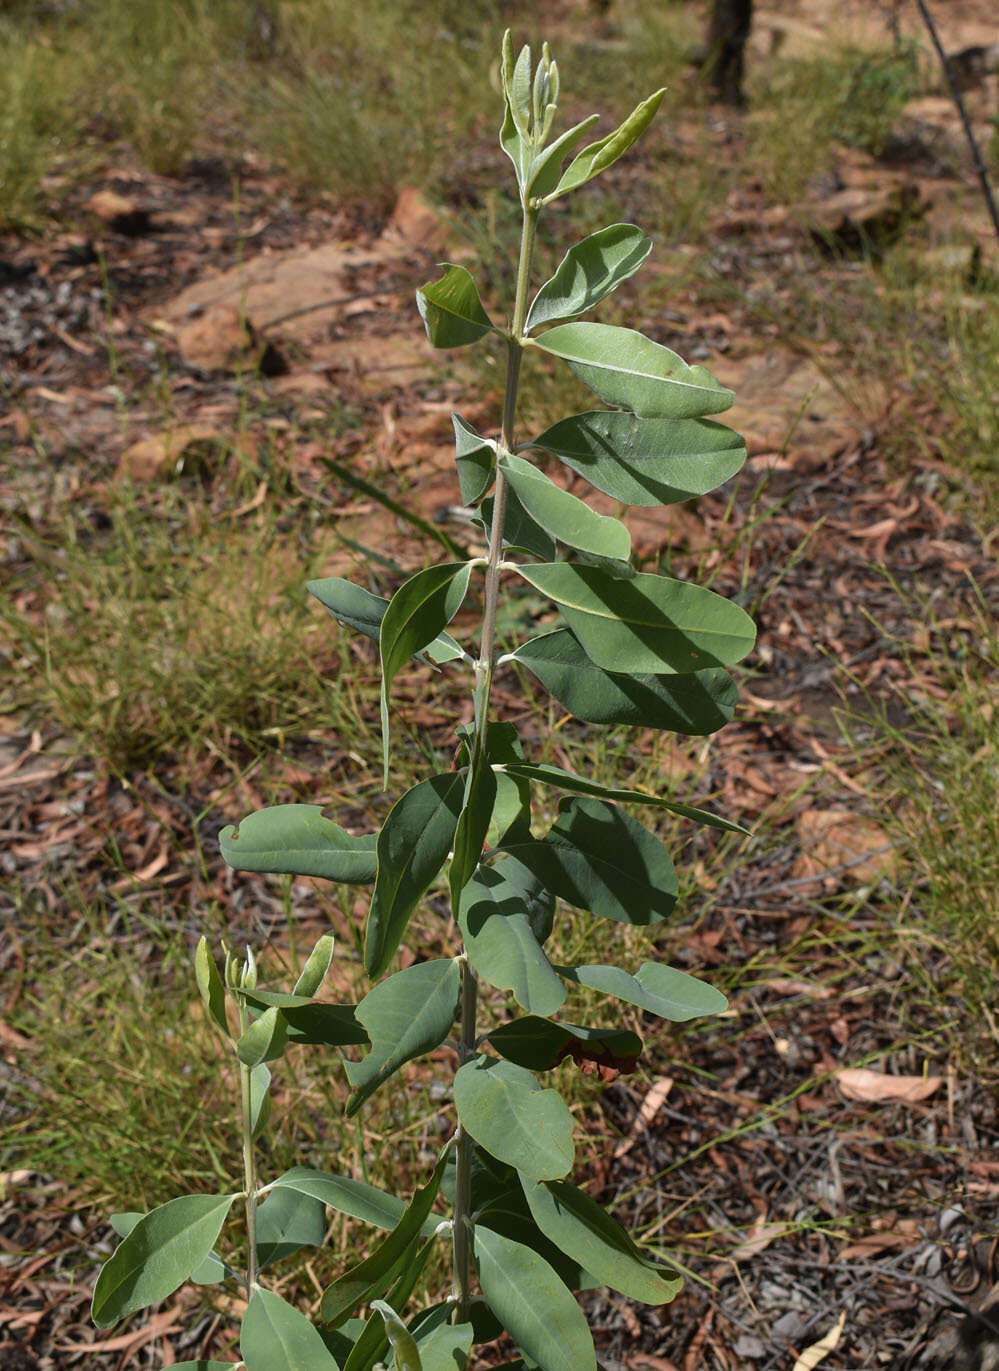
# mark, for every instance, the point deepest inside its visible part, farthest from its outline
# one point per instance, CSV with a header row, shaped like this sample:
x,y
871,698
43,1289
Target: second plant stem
x,y
483,685
249,1161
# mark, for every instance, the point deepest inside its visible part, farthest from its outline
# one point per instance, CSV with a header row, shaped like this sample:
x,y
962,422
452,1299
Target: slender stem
x,y
483,684
249,1163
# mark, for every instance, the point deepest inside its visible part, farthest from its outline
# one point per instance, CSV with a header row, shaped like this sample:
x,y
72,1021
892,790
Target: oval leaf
x,y
563,516
498,917
263,1041
580,1228
287,1220
631,371
648,624
276,1337
296,839
412,847
589,271
697,703
346,1196
540,1044
659,989
507,1112
163,1249
405,1016
596,857
646,461
451,309
475,458
533,1304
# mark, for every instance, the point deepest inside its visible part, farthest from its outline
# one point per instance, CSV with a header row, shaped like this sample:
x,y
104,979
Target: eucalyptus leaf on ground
x,y
160,1253
589,271
650,624
296,839
697,703
598,858
405,1016
533,1304
661,990
508,1113
646,461
276,1337
631,371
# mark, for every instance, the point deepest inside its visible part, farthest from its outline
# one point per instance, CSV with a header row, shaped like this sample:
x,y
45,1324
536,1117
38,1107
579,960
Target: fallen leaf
x,y
649,1108
873,1087
872,1244
761,1235
818,1351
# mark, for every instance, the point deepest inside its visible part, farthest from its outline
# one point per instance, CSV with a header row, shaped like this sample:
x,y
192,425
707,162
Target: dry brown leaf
x,y
836,844
761,1235
873,1087
818,1351
872,1244
649,1108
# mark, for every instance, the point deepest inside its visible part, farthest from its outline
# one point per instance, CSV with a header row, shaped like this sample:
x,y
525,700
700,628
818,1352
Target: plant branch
x,y
249,1161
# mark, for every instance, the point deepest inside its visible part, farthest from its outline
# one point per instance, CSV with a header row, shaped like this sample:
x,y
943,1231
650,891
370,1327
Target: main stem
x,y
483,685
249,1163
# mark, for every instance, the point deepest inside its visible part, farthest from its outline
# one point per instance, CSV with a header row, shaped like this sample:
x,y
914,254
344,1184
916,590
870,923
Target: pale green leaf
x,y
475,458
159,1254
318,963
507,1112
276,1337
298,840
445,1347
546,167
210,985
659,989
533,1304
504,917
451,309
347,1196
631,371
579,1227
412,847
598,858
287,1220
521,533
260,1099
646,461
696,703
597,157
578,785
359,609
406,1355
473,824
562,515
405,1016
264,1040
649,624
589,271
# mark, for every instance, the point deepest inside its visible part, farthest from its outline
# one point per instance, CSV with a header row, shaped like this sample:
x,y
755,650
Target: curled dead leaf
x,y
874,1087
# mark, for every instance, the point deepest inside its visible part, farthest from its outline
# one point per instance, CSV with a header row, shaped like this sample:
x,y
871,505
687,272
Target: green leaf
x,y
159,1254
659,989
276,1337
475,458
347,1196
597,157
286,1221
546,167
646,461
263,1041
199,1366
533,1304
518,90
417,612
596,857
504,917
509,1216
210,985
540,1044
210,1272
585,1232
698,703
260,1100
326,1025
359,609
589,271
507,1112
355,1286
630,371
406,1355
372,1343
446,1347
451,309
650,624
565,780
412,847
521,533
297,839
563,516
314,971
405,1016
473,824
